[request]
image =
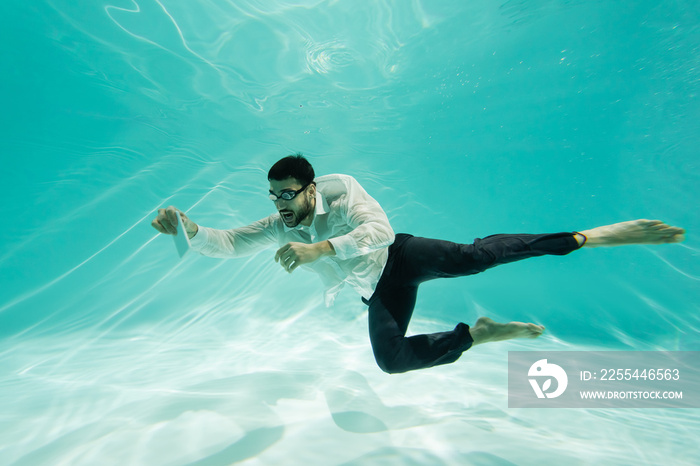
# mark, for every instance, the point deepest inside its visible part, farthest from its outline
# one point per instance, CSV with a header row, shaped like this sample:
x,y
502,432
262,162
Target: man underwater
x,y
332,226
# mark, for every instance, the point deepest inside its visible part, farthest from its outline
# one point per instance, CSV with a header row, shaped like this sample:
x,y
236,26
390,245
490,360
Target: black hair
x,y
294,166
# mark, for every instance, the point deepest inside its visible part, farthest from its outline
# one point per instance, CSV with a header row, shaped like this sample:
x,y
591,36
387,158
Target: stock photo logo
x,y
542,370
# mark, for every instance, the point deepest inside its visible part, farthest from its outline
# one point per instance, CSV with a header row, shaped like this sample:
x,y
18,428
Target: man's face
x,y
297,210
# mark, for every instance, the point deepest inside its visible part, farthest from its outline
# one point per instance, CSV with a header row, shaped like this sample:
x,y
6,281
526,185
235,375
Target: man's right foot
x,y
633,232
485,330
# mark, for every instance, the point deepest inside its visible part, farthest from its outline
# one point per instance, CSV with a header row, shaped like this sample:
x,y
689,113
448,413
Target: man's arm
x,y
352,206
292,255
236,242
371,227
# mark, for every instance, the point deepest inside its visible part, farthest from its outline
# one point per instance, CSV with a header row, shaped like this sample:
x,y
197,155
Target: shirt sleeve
x,y
371,228
237,242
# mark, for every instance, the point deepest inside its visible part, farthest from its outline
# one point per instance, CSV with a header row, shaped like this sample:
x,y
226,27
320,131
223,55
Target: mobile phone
x,y
182,242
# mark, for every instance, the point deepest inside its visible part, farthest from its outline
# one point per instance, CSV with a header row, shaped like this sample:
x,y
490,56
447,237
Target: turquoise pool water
x,y
462,118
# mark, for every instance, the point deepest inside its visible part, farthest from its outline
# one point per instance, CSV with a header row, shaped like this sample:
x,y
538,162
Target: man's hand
x,y
292,255
166,222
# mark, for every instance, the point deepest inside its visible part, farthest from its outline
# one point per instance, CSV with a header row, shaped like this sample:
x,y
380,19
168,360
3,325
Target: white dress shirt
x,y
345,215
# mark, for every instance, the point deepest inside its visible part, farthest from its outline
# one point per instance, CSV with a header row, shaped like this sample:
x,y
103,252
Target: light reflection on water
x,y
242,386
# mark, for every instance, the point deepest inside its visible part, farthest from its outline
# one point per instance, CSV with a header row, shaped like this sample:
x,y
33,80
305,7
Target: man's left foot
x,y
485,330
633,232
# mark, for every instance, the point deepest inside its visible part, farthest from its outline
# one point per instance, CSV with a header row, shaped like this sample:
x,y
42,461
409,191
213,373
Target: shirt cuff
x,y
344,246
198,241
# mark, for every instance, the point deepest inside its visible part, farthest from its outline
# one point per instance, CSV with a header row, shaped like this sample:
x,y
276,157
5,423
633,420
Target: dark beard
x,y
305,211
302,214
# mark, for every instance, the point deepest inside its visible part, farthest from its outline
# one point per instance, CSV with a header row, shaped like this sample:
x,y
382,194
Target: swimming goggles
x,y
287,195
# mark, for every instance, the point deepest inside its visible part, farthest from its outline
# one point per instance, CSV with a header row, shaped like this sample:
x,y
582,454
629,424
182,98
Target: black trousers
x,y
412,261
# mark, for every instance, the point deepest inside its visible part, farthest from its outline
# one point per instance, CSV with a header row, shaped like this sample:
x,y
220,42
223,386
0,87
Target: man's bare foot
x,y
485,330
632,232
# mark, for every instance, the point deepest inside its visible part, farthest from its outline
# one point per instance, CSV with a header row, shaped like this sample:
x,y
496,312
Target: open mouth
x,y
287,216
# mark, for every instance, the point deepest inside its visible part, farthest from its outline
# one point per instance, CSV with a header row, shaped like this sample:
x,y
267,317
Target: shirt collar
x,y
322,208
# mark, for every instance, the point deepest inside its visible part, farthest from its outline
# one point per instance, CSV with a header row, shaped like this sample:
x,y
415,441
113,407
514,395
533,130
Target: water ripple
x,y
327,57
